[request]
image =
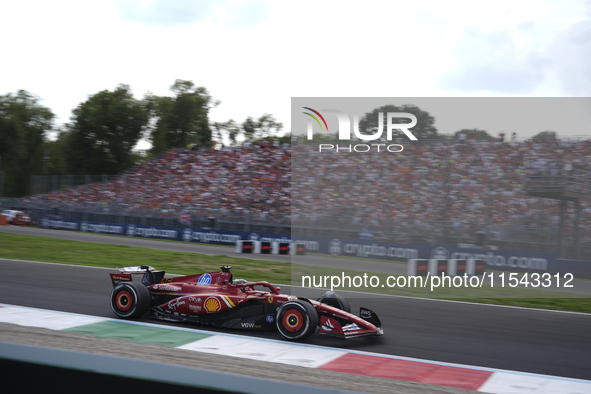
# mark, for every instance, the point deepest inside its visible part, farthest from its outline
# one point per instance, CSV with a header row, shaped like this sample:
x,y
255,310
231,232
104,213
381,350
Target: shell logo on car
x,y
212,305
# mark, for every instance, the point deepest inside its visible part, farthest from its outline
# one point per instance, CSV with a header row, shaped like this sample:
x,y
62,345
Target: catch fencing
x,y
519,235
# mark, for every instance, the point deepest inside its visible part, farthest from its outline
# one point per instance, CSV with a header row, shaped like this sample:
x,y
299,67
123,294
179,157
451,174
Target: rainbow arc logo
x,y
386,123
315,118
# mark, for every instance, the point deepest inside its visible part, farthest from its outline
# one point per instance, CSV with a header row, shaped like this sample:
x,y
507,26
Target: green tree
x,y
545,136
104,131
423,130
24,124
475,134
229,130
286,138
56,155
264,127
182,119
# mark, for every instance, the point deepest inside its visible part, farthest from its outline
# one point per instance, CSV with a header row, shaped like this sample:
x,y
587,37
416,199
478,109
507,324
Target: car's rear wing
x,y
150,275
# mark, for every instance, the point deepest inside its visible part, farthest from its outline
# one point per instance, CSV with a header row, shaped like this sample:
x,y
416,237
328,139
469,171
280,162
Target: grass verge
x,y
24,247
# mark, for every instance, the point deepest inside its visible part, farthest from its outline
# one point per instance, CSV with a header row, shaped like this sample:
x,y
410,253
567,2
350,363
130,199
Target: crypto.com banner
x,y
447,172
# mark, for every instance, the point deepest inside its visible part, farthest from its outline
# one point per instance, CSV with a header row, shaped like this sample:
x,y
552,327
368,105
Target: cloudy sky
x,y
254,55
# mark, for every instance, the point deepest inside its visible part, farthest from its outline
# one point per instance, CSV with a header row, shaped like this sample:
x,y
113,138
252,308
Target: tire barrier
x,y
449,267
243,246
479,267
418,267
298,248
439,267
459,268
281,247
264,247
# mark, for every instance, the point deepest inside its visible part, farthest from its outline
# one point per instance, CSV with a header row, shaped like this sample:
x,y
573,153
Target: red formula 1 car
x,y
216,299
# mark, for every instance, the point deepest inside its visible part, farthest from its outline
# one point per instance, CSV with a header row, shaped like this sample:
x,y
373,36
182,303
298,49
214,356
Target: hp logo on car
x,y
204,279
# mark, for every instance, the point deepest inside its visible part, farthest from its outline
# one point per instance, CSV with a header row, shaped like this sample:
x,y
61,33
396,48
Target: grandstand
x,y
443,193
439,193
569,184
184,187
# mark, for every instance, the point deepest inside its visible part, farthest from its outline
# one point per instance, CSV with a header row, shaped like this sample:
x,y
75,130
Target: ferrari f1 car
x,y
216,299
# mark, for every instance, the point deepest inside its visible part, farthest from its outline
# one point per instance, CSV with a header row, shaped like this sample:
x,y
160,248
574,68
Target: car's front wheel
x,y
130,300
297,320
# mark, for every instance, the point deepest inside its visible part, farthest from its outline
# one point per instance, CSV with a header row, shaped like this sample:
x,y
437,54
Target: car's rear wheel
x,y
297,320
130,300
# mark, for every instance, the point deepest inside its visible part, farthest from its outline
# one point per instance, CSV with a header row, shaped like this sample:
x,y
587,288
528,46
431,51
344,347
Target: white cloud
x,y
174,13
255,55
493,62
572,51
516,53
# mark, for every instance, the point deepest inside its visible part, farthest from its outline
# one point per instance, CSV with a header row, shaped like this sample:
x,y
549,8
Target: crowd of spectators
x,y
454,187
449,186
235,182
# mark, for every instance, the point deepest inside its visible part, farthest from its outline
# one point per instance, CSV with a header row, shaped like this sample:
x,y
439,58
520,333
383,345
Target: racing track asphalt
x,y
553,343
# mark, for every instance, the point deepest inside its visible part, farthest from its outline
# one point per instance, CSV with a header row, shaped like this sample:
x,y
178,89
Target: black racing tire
x,y
130,300
297,320
333,299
